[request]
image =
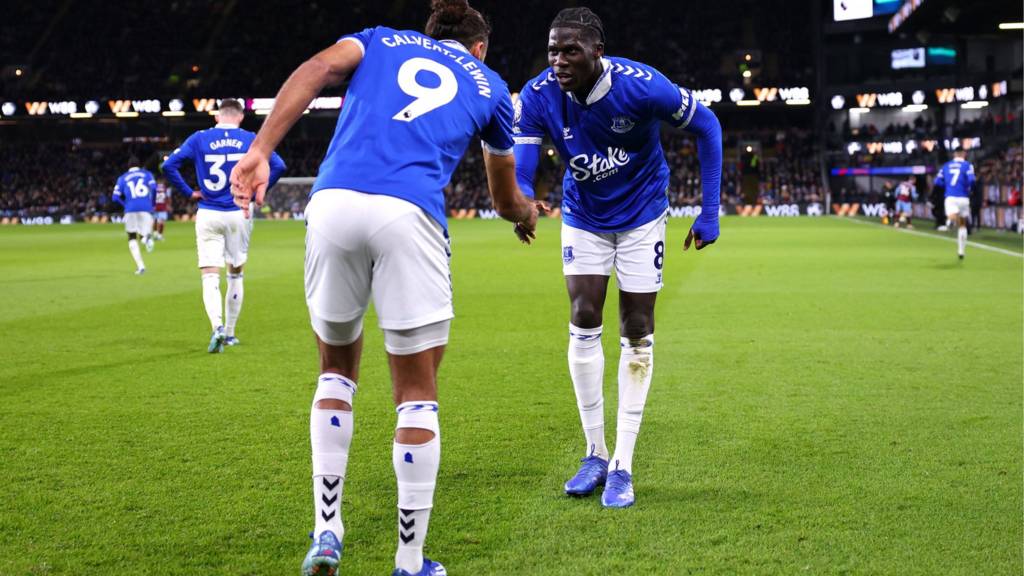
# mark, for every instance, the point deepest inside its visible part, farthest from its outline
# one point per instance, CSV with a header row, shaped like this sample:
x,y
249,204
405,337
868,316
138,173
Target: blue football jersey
x,y
135,189
616,176
214,152
957,176
412,107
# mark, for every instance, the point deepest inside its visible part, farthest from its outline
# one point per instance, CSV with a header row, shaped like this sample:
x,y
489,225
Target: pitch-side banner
x,y
793,210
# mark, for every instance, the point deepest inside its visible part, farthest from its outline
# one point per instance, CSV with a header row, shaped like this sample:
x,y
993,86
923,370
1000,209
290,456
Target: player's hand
x,y
249,179
197,194
526,230
703,233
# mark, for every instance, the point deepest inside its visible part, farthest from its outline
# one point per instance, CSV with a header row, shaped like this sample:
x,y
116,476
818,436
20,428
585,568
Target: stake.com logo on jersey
x,y
584,167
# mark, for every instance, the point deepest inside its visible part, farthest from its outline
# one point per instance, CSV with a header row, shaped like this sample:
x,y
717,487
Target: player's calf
x,y
636,367
416,456
330,434
133,248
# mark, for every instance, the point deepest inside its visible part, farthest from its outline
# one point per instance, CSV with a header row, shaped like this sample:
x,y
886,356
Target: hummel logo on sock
x,y
405,531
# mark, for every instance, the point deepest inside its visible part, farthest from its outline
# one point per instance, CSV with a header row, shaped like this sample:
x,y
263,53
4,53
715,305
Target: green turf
x,y
1003,239
828,398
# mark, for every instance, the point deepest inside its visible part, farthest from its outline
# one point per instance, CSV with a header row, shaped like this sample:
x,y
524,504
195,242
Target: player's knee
x,y
417,422
637,325
585,314
334,392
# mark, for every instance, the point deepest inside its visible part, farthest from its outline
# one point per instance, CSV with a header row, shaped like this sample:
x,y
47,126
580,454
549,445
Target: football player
x,y
604,115
222,230
376,228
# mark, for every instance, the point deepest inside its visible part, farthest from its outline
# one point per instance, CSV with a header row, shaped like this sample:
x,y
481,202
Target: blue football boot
x,y
430,568
217,341
618,491
232,341
592,473
323,556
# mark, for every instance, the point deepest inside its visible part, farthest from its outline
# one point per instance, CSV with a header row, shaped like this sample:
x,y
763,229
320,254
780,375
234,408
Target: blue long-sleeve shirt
x,y
616,174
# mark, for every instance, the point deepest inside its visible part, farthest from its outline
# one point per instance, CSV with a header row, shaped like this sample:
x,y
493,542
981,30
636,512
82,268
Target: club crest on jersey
x,y
517,111
622,124
587,166
567,256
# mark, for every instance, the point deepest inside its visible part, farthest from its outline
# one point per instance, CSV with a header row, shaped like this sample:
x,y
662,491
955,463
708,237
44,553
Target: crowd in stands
x,y
781,168
212,48
924,126
51,179
77,179
1001,177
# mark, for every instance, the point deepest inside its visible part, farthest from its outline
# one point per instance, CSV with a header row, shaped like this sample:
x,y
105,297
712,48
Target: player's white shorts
x,y
637,255
222,238
161,215
958,205
361,245
138,223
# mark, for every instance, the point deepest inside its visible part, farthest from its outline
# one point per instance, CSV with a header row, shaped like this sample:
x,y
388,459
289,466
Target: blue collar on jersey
x,y
455,44
601,87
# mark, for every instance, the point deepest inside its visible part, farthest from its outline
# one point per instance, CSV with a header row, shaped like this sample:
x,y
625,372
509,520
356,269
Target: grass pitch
x,y
828,398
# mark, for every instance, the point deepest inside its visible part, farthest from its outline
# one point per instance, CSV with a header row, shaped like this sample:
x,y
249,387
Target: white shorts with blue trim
x,y
140,223
637,255
360,246
958,205
222,237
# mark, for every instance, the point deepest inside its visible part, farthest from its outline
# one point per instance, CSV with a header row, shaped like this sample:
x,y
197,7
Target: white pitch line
x,y
937,237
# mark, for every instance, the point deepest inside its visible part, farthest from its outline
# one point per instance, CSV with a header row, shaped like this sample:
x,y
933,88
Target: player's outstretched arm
x,y
330,67
706,127
508,200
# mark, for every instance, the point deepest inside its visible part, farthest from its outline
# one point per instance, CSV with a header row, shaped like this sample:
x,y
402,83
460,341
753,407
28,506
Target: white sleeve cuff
x,y
693,109
528,140
357,41
496,151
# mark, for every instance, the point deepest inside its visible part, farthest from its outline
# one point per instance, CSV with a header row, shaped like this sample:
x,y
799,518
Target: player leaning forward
x,y
222,231
376,227
603,115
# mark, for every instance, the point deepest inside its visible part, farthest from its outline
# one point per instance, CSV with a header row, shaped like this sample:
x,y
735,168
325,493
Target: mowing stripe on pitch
x,y
937,237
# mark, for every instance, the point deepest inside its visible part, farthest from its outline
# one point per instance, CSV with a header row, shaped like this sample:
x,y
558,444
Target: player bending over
x,y
134,190
222,230
957,177
376,228
906,193
604,115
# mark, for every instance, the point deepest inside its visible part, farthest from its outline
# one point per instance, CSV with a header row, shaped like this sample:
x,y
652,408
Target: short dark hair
x,y
456,20
581,18
230,104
